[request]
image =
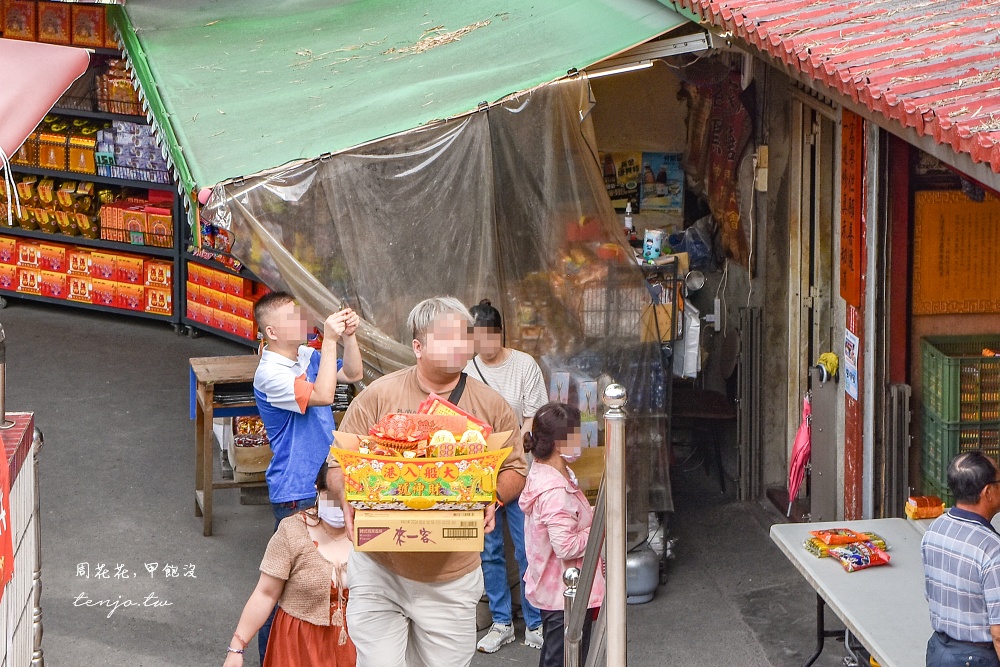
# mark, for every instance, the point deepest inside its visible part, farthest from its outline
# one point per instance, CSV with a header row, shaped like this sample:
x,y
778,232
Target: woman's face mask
x,y
331,513
570,449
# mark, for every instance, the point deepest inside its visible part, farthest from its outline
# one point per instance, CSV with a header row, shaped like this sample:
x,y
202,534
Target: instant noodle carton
x,y
78,262
130,269
8,250
130,297
8,276
79,288
53,284
418,530
102,292
52,257
29,281
102,266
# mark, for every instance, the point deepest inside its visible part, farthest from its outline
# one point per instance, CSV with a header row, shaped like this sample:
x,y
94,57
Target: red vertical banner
x,y
854,461
851,201
6,530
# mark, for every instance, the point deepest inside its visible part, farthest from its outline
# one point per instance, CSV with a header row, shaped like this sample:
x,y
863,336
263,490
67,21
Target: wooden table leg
x,y
199,447
208,460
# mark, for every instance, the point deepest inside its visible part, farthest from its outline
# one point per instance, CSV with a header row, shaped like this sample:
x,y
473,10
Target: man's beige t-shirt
x,y
399,392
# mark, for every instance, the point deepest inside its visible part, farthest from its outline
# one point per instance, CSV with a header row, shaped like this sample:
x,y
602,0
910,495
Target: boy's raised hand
x,y
351,323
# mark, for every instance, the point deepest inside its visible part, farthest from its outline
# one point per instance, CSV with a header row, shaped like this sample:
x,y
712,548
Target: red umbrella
x,y
801,450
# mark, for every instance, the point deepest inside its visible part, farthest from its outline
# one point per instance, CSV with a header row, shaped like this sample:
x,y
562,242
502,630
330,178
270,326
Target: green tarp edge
x,y
155,103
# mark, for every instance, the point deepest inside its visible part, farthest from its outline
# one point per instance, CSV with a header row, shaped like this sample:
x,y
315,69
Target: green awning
x,y
241,87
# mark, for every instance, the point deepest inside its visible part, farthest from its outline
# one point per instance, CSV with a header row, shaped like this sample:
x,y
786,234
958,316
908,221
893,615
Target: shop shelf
x,y
959,383
218,266
944,441
99,115
11,294
94,178
85,242
201,326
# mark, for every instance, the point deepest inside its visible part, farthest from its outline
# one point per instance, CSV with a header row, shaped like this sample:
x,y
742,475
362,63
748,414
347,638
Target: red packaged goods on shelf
x,y
193,293
195,273
8,276
159,300
55,23
216,280
88,26
259,290
54,285
79,288
102,292
246,328
27,254
29,281
158,273
130,297
239,306
214,299
8,250
52,257
19,20
78,262
130,269
102,265
159,227
238,286
135,223
192,311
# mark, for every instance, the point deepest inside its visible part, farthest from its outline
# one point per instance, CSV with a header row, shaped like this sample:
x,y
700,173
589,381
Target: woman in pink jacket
x,y
557,520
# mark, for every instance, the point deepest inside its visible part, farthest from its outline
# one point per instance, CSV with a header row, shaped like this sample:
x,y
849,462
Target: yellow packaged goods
x,y
401,482
821,549
395,531
923,507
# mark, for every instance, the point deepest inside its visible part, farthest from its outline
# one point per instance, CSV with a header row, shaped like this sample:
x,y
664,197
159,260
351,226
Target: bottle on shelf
x,y
629,227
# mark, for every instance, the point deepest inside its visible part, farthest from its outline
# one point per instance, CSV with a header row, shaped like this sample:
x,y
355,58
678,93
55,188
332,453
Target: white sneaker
x,y
495,638
534,638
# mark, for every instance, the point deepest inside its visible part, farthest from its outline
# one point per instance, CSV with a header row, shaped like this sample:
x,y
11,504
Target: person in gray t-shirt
x,y
516,377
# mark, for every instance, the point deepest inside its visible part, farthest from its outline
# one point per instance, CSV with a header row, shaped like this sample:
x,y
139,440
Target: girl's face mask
x,y
570,448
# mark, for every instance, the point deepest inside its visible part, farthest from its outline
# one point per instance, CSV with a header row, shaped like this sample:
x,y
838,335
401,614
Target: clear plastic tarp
x,y
509,204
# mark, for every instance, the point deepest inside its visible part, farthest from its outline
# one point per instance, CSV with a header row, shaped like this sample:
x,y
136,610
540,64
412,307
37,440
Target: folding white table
x,y
884,607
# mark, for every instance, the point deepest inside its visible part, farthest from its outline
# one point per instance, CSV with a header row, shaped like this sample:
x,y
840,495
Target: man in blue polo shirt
x,y
294,386
961,554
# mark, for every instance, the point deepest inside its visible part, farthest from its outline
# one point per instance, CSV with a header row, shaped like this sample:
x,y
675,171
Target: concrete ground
x,y
111,396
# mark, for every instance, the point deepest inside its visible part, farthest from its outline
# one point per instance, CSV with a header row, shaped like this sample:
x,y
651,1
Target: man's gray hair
x,y
422,316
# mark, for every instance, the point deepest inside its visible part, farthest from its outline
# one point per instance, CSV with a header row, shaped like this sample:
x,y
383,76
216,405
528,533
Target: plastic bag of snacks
x,y
834,536
859,556
821,549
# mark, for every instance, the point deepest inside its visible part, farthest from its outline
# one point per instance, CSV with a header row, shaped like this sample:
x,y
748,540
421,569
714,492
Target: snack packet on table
x,y
834,536
859,556
821,549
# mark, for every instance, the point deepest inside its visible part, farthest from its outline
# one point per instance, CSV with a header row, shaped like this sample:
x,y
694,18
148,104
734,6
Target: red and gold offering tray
x,y
421,462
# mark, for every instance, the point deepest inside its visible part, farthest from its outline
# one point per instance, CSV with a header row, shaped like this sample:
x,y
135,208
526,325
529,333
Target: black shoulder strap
x,y
456,394
480,371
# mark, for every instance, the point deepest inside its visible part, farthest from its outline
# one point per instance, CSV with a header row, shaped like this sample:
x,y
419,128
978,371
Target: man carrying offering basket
x,y
419,608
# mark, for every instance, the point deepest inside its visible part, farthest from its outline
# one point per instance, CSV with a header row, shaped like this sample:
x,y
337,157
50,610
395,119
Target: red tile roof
x,y
933,65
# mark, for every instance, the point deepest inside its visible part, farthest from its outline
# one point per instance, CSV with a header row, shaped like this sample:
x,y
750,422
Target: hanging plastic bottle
x,y
629,228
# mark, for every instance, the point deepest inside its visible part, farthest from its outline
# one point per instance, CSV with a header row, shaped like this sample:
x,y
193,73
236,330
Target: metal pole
x,y
4,422
615,398
571,644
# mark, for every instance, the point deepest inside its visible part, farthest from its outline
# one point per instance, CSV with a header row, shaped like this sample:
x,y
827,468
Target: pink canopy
x,y
32,77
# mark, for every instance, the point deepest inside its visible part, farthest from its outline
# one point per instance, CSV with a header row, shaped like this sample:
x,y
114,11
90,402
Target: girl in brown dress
x,y
304,572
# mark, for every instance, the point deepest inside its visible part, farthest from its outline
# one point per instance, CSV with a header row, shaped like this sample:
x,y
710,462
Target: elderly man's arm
x,y
510,483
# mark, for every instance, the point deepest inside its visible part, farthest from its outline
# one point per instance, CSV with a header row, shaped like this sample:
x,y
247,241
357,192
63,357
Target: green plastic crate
x,y
930,488
942,442
959,383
